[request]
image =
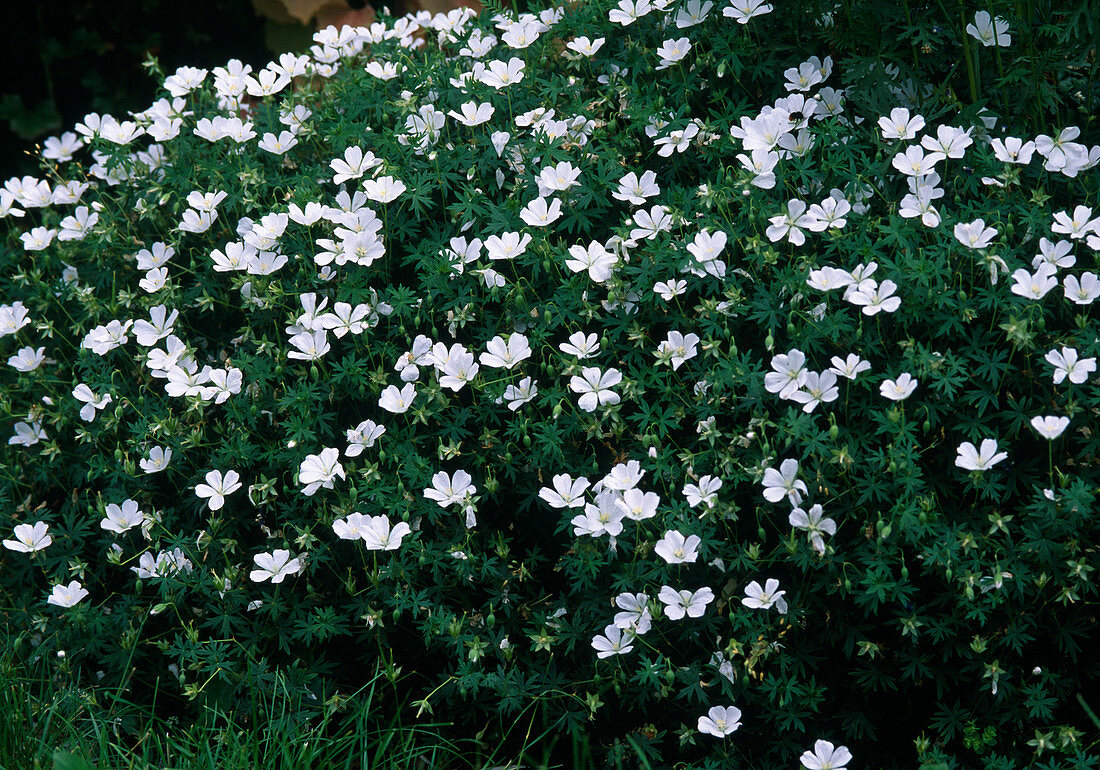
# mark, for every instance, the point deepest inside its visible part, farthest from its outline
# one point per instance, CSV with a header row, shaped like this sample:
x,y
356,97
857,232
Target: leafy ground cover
x,y
642,384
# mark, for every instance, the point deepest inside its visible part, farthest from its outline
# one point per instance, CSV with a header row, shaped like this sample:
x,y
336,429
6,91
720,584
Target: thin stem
x,y
971,73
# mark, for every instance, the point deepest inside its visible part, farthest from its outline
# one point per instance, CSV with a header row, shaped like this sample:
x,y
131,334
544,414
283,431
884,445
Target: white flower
x,y
623,476
67,596
157,461
784,483
789,225
614,641
363,437
217,487
814,525
118,518
817,389
378,535
353,165
597,260
789,375
990,32
499,74
651,223
666,290
638,505
28,433
672,51
197,221
743,10
447,490
309,345
720,721
1050,427
899,389
585,47
1013,150
558,178
635,615
825,756
674,548
102,339
874,297
506,354
603,517
581,345
758,598
595,387
677,348
629,11
633,189
506,245
274,566
974,235
1034,286
519,394
457,367
278,145
1080,291
849,367
38,238
972,459
160,324
681,603
706,491
914,162
384,189
567,492
899,125
318,471
384,70
1077,226
397,401
27,359
473,114
154,280
351,528
1067,364
13,317
30,538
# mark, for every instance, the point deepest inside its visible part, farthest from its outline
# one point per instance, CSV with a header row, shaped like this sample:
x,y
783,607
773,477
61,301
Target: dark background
x,y
62,59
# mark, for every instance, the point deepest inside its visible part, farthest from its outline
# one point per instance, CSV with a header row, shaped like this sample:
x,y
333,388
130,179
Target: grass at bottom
x,y
48,724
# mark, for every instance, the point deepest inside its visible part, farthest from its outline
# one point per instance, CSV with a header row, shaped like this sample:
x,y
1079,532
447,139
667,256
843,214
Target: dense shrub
x,y
604,370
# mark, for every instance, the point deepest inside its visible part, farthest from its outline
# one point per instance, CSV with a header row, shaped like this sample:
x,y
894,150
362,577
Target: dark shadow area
x,y
62,60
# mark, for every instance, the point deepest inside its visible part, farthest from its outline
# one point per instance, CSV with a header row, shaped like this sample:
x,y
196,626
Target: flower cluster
x,y
568,357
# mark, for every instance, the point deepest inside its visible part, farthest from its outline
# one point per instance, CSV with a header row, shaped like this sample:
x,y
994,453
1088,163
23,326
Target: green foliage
x,y
938,606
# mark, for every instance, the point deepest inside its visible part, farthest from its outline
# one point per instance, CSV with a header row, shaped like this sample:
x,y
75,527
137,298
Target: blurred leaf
x,y
28,123
64,760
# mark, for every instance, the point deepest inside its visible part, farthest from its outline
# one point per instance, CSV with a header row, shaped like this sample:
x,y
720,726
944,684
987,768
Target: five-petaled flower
x,y
274,566
720,721
595,387
30,538
784,483
758,598
67,595
989,31
826,756
217,486
318,471
680,603
973,459
674,548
